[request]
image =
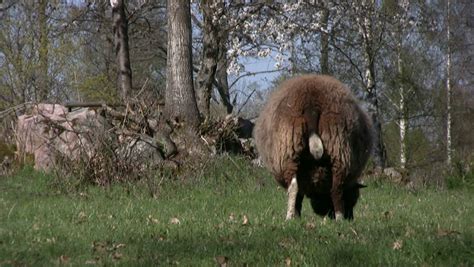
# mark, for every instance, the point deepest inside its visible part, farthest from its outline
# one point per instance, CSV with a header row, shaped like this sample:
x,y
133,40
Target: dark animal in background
x,y
315,139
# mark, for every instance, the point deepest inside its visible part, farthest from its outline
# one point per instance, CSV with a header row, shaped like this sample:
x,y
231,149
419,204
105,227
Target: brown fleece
x,y
325,106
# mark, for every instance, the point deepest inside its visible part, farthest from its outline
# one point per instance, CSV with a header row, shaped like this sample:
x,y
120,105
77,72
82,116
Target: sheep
x,y
315,139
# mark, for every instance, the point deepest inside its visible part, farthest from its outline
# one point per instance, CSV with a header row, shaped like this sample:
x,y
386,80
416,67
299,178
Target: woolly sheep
x,y
315,139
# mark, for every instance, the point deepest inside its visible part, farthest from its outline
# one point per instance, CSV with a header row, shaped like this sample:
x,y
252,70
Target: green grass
x,y
123,225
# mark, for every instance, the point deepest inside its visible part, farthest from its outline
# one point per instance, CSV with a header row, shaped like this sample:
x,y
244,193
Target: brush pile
x,y
110,143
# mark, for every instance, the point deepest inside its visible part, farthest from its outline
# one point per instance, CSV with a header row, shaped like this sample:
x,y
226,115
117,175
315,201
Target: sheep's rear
x,y
315,139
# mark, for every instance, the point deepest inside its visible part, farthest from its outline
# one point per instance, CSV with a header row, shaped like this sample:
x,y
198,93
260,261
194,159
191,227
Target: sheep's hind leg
x,y
337,199
292,195
299,204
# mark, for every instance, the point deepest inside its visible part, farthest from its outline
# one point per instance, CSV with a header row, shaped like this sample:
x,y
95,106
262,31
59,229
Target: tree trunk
x,y
43,85
378,152
449,150
221,73
122,53
180,101
402,111
324,41
206,74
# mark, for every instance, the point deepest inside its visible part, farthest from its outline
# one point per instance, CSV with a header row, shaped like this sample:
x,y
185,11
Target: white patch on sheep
x,y
316,146
292,192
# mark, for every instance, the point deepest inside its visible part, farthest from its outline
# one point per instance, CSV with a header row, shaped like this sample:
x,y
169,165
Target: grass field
x,y
231,213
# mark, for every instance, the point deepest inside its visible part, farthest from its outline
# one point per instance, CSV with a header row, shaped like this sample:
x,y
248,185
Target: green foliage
x,y
417,144
390,7
98,88
202,219
418,147
6,150
461,176
392,144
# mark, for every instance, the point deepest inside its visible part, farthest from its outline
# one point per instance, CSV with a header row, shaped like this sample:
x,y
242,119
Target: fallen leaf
x,y
81,217
245,220
286,242
354,231
119,245
63,259
99,247
117,256
310,226
232,217
397,245
222,261
175,221
151,220
288,261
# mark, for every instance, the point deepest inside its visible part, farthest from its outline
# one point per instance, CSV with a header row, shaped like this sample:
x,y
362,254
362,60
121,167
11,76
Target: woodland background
x,y
172,71
410,62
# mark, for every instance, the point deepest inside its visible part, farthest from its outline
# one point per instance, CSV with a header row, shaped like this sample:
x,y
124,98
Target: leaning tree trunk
x,y
210,52
43,85
378,153
180,101
221,72
122,52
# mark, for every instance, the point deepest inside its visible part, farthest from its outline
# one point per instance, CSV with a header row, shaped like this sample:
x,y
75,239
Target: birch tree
x,y
448,88
402,114
401,18
367,21
461,81
324,39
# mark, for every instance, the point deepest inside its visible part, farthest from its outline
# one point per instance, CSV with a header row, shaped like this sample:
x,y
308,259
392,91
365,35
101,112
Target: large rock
x,y
49,131
34,134
81,130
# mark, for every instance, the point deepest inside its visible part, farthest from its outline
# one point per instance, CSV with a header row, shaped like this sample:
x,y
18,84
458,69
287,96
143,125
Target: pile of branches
x,y
124,143
228,135
131,144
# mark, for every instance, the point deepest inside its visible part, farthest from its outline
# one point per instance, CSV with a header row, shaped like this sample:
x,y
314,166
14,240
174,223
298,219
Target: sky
x,y
260,65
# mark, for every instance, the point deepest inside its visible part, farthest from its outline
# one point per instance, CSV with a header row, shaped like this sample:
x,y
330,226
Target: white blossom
x,y
114,3
264,52
254,33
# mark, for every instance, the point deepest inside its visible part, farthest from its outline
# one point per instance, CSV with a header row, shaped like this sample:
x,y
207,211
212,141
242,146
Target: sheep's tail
x,y
315,146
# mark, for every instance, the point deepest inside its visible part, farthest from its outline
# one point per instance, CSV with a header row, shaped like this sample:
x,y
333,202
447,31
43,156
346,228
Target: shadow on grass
x,y
302,247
